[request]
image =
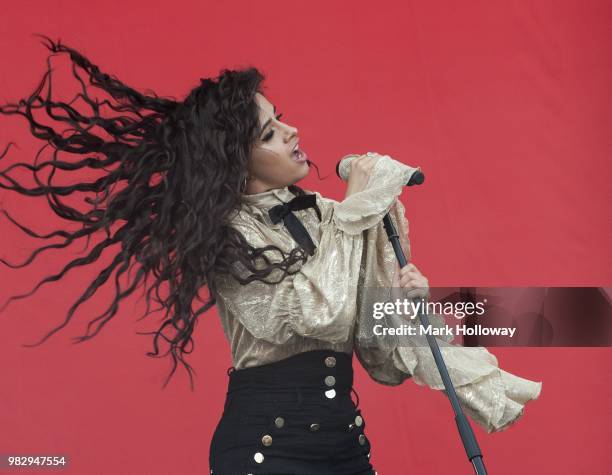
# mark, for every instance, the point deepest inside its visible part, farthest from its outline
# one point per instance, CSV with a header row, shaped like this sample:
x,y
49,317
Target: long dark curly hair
x,y
168,176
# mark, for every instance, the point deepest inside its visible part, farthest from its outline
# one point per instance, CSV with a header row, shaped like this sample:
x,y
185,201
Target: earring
x,y
244,182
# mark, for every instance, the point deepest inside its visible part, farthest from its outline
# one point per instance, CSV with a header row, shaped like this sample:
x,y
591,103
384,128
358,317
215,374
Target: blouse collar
x,y
267,199
258,204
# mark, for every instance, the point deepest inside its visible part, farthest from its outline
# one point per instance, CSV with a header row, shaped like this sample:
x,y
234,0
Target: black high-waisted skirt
x,y
292,417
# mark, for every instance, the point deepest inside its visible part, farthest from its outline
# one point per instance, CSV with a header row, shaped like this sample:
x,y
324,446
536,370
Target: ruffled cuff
x,y
491,396
364,209
497,400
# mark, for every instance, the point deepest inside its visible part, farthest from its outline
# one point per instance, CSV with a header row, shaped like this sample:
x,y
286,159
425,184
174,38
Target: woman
x,y
202,193
292,339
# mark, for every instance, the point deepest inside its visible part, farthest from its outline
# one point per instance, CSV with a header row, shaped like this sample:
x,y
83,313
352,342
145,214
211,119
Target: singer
x,y
202,193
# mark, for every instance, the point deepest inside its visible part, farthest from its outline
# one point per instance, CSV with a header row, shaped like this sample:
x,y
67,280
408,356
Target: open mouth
x,y
298,155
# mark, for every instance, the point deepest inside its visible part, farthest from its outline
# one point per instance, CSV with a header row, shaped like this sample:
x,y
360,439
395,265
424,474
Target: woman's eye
x,y
269,135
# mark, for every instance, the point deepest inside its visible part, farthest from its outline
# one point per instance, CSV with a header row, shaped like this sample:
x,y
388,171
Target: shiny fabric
x,y
279,419
321,306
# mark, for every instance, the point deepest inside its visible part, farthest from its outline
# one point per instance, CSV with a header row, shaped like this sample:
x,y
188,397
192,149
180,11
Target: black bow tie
x,y
295,227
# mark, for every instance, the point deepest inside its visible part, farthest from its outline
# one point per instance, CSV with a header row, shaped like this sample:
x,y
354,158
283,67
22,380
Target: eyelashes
x,y
269,135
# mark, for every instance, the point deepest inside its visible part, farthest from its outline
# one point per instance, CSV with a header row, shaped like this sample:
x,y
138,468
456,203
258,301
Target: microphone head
x,y
343,167
417,178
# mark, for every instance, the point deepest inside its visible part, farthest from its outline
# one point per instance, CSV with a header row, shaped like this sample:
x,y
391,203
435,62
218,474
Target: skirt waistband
x,y
315,369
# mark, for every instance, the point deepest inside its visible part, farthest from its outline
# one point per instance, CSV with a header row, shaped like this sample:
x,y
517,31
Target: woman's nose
x,y
291,132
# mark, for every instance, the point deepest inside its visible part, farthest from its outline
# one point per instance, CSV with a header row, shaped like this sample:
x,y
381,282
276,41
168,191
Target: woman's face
x,y
273,163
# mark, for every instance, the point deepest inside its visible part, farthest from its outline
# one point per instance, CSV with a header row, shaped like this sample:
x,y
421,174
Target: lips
x,y
297,154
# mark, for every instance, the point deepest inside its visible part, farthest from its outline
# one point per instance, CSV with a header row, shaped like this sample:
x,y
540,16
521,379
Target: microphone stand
x,y
465,430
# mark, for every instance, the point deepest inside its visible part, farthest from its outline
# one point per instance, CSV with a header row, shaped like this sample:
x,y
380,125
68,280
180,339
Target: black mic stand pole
x,y
465,430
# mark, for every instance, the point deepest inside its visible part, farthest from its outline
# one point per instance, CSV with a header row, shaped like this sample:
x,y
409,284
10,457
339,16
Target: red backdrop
x,y
504,104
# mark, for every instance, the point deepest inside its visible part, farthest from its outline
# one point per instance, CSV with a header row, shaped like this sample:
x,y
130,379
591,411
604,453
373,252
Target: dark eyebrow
x,y
267,123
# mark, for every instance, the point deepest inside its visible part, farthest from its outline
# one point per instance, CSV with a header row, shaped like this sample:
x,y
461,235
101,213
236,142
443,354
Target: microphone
x,y
465,430
343,168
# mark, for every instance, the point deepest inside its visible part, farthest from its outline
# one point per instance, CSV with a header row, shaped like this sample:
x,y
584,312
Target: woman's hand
x,y
359,174
411,282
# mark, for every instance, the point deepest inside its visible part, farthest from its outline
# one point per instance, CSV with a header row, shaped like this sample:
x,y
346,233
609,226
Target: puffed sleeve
x,y
314,302
492,397
320,300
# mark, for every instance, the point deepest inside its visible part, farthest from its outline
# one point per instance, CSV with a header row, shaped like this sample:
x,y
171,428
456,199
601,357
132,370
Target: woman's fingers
x,y
413,282
411,271
360,170
410,267
408,273
364,163
419,292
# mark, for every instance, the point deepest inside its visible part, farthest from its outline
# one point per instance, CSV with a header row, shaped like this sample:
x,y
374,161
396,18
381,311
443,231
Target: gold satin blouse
x,y
319,307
